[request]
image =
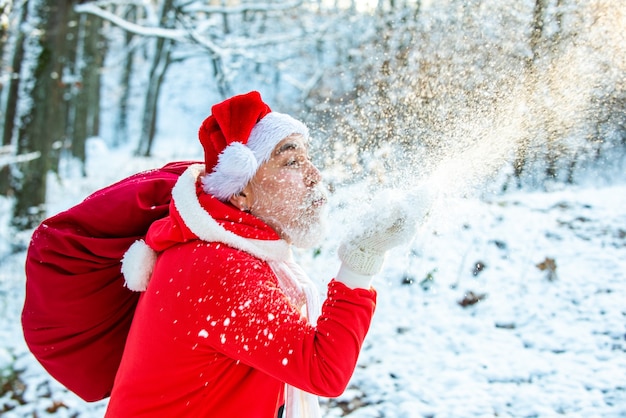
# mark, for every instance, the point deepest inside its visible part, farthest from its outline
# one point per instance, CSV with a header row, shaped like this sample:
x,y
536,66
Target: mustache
x,y
316,197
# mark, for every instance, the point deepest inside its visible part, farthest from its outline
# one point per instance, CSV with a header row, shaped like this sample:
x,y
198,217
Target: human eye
x,y
292,162
296,160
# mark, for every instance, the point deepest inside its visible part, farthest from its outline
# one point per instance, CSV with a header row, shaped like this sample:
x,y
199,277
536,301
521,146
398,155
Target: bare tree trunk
x,y
43,124
10,109
160,64
521,158
16,66
554,148
223,85
5,12
96,48
225,18
85,103
157,74
122,114
72,78
536,35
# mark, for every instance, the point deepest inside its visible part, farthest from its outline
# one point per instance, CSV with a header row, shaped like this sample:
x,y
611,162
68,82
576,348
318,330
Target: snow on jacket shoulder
x,y
214,334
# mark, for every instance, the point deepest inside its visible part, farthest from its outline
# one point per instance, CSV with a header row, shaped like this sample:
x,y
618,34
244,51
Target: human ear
x,y
240,201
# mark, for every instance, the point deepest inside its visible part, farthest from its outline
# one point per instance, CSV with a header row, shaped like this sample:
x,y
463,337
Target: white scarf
x,y
301,291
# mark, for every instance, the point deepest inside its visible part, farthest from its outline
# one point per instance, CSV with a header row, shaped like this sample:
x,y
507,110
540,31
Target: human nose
x,y
313,175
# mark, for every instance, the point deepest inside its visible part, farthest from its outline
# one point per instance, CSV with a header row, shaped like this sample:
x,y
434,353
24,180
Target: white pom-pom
x,y
235,168
137,265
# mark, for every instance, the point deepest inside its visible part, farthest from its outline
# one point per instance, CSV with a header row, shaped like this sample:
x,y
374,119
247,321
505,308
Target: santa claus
x,y
227,324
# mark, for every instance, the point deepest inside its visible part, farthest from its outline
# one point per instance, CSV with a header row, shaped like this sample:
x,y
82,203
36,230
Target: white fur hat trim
x,y
270,130
235,167
137,265
238,162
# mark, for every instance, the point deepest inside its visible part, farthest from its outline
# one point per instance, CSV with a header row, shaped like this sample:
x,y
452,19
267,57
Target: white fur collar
x,y
138,261
207,229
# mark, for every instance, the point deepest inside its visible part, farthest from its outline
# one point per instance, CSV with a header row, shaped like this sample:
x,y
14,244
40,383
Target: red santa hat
x,y
239,136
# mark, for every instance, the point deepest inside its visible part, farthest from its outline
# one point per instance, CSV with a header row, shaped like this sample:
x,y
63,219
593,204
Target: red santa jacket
x,y
214,335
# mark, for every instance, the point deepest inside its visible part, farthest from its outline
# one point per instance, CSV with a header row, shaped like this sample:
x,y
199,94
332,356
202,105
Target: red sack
x,y
77,311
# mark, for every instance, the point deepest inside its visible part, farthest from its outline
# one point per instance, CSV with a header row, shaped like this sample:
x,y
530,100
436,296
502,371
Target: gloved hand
x,y
390,221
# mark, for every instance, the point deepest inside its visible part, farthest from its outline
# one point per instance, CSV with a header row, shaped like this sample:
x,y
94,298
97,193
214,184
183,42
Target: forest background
x,y
383,84
483,96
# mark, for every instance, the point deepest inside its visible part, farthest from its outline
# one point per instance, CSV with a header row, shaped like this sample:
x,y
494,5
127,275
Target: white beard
x,y
305,227
309,227
307,231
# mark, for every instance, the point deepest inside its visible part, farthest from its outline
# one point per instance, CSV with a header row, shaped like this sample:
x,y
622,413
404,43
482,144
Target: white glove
x,y
390,221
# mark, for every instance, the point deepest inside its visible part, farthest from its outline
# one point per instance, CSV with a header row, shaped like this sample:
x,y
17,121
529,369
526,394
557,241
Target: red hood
x,y
196,215
172,229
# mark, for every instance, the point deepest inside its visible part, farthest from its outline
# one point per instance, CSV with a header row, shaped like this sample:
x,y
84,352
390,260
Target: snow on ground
x,y
540,343
546,338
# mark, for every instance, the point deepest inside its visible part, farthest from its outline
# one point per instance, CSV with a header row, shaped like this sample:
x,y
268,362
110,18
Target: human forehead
x,y
295,142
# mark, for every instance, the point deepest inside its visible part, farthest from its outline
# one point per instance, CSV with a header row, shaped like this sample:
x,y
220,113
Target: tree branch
x,y
176,35
247,7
